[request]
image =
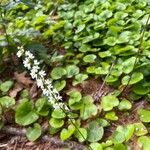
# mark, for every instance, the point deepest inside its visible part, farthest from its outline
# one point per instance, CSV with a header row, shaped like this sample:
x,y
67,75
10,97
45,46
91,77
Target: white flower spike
x,y
45,84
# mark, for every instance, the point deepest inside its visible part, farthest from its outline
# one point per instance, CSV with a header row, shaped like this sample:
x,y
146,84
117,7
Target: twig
x,y
46,138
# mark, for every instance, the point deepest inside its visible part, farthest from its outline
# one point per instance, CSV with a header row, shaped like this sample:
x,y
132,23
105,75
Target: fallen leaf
x,y
21,78
33,91
18,87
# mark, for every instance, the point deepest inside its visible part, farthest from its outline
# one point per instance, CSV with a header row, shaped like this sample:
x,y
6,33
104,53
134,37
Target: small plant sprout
x,y
39,75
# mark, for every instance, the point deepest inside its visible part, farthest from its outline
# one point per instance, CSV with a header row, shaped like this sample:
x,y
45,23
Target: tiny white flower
x,y
29,55
50,87
40,83
59,97
35,69
42,73
55,91
36,63
27,63
20,53
33,75
48,82
56,106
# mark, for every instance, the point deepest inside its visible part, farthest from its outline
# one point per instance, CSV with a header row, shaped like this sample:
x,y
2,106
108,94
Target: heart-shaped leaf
x,y
90,58
108,102
124,105
144,115
96,146
79,78
81,134
7,102
66,133
72,70
25,114
59,85
144,142
140,129
57,73
5,86
58,114
95,132
56,123
135,77
128,65
42,106
33,133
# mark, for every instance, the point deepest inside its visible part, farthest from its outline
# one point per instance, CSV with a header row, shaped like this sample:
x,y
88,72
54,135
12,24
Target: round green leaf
x,y
140,129
124,105
33,133
56,123
144,142
25,115
57,73
58,114
88,109
108,102
140,90
94,131
96,146
144,115
42,107
111,116
7,101
111,41
5,86
66,133
72,70
77,134
119,147
75,96
79,78
135,77
59,85
90,58
128,65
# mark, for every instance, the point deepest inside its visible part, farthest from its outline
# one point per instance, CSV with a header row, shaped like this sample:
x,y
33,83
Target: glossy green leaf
x,y
111,116
89,58
144,142
56,123
66,133
88,109
135,77
81,134
128,65
79,78
33,133
59,85
5,86
125,105
140,129
25,114
72,70
95,132
42,107
57,73
7,102
96,146
108,102
58,114
144,115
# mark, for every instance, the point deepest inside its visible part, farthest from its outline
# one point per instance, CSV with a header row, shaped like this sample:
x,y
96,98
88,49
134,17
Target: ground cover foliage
x,y
97,53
